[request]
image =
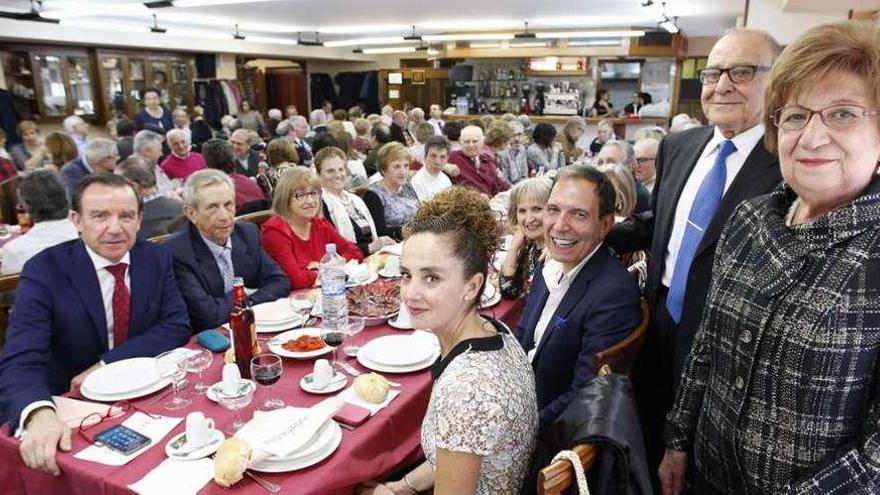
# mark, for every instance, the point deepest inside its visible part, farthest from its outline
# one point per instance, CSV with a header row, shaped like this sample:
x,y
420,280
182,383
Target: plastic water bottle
x,y
334,305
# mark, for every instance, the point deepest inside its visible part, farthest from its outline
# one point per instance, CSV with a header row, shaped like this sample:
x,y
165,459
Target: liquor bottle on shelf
x,y
244,329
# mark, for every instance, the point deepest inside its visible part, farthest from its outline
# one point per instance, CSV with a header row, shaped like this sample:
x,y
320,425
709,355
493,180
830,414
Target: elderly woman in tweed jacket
x,y
781,393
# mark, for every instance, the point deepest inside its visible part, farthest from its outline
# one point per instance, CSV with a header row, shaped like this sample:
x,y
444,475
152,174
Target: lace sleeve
x,y
469,417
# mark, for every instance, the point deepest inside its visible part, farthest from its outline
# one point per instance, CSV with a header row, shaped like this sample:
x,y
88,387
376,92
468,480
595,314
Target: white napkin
x,y
287,430
72,411
395,249
179,478
357,271
350,395
155,429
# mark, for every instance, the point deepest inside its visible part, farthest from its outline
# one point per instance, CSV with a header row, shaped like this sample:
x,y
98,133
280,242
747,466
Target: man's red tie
x,y
121,304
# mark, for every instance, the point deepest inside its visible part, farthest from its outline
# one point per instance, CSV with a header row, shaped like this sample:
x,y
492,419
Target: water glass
x,y
355,326
198,363
172,366
266,369
236,402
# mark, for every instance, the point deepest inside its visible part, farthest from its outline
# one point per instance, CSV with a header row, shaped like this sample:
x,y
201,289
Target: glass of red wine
x,y
334,338
266,370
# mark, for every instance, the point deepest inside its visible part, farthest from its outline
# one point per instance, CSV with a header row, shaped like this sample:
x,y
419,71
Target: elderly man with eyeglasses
x,y
702,175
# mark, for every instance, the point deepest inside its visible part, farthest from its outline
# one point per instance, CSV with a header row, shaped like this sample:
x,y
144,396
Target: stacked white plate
x,y
277,316
399,353
123,380
491,296
320,447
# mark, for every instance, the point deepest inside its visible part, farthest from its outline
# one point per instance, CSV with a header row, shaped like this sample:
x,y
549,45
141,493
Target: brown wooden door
x,y
286,86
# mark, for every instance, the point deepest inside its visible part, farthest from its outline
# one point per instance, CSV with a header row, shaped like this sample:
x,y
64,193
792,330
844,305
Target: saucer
x,y
175,452
337,382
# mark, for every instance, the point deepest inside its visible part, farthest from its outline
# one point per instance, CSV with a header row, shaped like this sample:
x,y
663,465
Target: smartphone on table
x,y
122,439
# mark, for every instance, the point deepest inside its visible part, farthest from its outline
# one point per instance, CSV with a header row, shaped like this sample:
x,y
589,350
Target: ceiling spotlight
x,y
154,28
525,34
413,36
315,42
669,26
237,34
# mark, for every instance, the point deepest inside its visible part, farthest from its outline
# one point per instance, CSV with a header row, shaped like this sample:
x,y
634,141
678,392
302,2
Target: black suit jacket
x,y
253,160
676,158
200,280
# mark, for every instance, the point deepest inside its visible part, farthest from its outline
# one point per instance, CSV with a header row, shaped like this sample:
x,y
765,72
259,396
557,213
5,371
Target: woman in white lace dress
x,y
482,419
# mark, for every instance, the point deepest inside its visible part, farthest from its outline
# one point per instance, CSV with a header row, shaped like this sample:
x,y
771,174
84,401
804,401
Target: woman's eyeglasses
x,y
116,410
302,195
837,117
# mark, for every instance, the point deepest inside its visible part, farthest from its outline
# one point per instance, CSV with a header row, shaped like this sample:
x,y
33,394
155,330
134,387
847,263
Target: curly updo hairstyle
x,y
465,217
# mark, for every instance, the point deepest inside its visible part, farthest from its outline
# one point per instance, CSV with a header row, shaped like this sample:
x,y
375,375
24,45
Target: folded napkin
x,y
179,478
72,411
155,429
286,430
357,271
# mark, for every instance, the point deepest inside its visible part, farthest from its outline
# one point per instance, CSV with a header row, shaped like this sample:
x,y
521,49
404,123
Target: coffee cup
x,y
392,266
322,374
199,430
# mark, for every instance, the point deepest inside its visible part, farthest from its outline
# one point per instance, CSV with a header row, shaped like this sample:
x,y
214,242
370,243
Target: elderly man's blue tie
x,y
702,210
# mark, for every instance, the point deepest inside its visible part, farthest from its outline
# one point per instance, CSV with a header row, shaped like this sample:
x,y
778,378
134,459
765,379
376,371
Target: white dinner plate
x,y
121,377
383,368
281,326
134,394
277,311
292,335
326,442
338,382
397,350
392,322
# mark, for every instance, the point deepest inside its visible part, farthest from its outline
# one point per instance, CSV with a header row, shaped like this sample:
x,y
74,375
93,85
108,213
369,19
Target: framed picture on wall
x,y
417,76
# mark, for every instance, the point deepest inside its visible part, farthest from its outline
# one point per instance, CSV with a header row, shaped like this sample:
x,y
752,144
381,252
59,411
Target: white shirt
x,y
558,283
107,283
42,235
745,143
438,125
427,185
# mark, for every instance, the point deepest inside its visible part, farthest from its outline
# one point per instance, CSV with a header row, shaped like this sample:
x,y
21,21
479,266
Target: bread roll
x,y
372,388
232,459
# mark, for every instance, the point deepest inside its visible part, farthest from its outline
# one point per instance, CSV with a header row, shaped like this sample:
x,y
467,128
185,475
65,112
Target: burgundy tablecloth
x,y
386,442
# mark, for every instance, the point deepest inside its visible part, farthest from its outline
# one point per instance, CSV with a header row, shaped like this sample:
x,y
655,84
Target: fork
x,y
268,485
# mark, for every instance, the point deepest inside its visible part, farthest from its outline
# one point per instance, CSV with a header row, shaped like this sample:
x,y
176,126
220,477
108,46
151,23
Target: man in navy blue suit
x,y
81,304
213,249
582,300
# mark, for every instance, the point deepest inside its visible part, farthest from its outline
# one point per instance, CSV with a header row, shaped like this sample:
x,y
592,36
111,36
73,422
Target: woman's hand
x,y
672,471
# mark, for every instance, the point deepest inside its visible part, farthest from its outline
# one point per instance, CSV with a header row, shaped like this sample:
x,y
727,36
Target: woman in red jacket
x,y
295,237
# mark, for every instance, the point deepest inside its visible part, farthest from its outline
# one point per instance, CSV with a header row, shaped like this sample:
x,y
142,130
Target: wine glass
x,y
172,365
266,370
237,401
355,325
198,363
333,336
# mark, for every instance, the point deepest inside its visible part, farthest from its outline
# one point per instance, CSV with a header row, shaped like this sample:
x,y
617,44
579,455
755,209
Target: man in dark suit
x,y
687,218
582,300
83,303
247,161
161,213
101,156
212,249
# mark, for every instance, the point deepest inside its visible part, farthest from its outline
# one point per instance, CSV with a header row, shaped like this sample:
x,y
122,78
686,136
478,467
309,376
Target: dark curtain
x,y
322,88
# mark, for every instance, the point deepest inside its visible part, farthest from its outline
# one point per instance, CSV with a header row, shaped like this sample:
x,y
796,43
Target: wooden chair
x,y
257,217
559,475
622,355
